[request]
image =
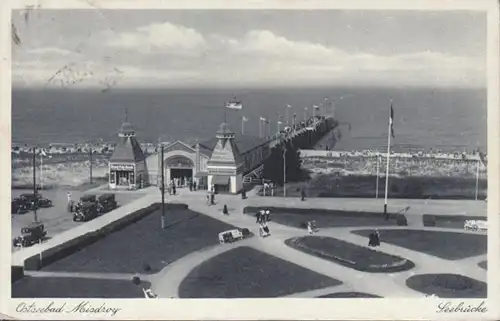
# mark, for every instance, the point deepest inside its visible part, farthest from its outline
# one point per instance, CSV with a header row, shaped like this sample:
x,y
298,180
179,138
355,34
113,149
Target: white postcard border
x,y
271,309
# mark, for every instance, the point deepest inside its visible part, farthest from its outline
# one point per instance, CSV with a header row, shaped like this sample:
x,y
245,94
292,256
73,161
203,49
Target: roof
x,y
244,143
224,128
127,150
127,128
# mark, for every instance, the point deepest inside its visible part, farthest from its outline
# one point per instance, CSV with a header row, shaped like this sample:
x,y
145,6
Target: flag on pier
x,y
234,104
391,121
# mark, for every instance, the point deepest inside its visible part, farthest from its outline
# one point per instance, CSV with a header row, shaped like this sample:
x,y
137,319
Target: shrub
x,y
429,220
401,220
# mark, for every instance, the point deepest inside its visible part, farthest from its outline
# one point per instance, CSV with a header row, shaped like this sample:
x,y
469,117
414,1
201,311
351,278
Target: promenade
x,y
166,282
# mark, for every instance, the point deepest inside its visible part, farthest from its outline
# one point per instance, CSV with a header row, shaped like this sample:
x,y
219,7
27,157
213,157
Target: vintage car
x,y
88,198
476,225
106,203
30,199
233,235
35,233
18,206
85,212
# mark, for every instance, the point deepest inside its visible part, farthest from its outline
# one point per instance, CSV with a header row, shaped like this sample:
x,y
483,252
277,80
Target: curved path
x,y
166,282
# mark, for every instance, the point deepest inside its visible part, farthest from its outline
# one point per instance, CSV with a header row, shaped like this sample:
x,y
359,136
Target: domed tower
x,y
225,167
127,165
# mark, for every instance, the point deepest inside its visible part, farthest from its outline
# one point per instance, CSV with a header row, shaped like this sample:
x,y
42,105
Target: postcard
x,y
250,160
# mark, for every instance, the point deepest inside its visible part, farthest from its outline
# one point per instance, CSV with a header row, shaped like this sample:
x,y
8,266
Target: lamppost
x,y
162,188
35,200
284,170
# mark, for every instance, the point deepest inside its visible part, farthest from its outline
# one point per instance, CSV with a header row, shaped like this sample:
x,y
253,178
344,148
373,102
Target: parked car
x,y
85,212
106,203
30,235
88,198
30,199
476,225
18,206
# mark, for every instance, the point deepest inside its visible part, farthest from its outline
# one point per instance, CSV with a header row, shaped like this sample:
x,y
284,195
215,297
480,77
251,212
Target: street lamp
x,y
35,200
162,188
284,170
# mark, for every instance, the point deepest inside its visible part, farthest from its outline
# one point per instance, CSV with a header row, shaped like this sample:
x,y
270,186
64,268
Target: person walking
x,y
70,207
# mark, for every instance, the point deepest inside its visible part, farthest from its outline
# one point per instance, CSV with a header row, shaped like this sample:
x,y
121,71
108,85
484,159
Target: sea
x,y
424,119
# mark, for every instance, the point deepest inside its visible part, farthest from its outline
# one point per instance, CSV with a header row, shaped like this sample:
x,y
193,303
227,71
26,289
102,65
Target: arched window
x,y
179,162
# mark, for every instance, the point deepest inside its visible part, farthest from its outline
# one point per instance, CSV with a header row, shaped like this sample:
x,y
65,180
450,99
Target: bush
x,y
401,220
429,220
394,188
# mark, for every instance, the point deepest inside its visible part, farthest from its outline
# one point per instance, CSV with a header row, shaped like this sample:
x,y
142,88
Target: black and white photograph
x,y
266,152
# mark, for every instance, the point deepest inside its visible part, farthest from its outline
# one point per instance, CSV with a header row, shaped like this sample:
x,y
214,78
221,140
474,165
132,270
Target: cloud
x,y
160,37
165,54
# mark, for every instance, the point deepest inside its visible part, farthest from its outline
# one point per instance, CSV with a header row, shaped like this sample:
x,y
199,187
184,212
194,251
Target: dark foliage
x,y
273,166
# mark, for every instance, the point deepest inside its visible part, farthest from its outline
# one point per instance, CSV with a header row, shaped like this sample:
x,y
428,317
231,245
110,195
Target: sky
x,y
248,48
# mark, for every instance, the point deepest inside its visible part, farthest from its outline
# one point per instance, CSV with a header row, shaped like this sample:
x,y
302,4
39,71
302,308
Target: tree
x,y
273,166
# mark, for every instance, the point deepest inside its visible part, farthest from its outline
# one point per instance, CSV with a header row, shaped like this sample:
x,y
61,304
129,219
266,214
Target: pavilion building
x,y
220,162
127,165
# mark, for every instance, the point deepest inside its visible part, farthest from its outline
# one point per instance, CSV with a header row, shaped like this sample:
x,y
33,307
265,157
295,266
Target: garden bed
x,y
350,255
349,295
298,217
448,285
67,287
445,245
248,273
143,246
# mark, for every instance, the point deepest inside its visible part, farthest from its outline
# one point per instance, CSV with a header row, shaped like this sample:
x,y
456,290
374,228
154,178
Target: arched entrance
x,y
179,167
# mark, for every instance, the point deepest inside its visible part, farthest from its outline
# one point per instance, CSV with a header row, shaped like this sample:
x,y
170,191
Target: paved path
x,y
166,282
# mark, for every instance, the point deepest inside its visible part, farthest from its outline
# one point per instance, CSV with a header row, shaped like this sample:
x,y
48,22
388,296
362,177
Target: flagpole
x,y
242,125
260,127
41,171
477,180
269,127
387,168
286,114
376,184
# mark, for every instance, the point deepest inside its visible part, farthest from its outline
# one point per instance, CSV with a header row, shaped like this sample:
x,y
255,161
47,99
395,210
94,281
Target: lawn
x,y
448,285
445,245
450,221
296,217
350,255
143,243
248,273
66,287
349,295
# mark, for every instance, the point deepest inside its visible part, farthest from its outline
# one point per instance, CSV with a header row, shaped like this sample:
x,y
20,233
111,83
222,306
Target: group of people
x,y
263,216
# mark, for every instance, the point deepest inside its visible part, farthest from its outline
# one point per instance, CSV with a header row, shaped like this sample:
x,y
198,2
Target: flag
x,y
42,152
288,106
391,121
262,119
244,118
234,104
279,122
316,107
